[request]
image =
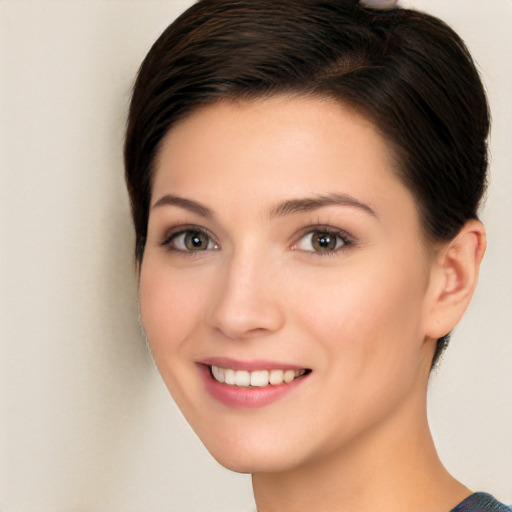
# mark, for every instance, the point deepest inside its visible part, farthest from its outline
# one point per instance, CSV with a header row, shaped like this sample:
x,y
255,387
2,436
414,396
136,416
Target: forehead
x,y
261,151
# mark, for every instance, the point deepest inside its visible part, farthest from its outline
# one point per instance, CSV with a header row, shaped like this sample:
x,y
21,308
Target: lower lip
x,y
246,398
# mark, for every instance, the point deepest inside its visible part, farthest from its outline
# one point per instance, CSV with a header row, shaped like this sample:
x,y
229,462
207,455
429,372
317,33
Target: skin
x,y
363,318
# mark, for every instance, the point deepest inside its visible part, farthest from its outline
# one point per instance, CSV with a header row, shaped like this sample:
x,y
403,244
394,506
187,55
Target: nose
x,y
247,303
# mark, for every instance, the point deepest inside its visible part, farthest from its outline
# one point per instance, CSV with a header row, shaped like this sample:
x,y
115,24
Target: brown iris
x,y
323,241
196,241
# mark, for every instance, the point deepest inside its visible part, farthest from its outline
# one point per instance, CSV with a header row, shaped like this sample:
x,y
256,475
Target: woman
x,y
305,179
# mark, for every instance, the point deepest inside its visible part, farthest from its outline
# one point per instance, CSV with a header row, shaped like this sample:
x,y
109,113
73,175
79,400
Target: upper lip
x,y
249,365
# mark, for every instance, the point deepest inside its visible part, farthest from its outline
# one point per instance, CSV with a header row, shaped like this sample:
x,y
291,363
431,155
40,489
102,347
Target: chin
x,y
250,463
251,453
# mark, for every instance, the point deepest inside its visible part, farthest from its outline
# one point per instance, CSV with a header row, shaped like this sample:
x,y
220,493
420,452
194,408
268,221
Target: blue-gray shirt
x,y
481,502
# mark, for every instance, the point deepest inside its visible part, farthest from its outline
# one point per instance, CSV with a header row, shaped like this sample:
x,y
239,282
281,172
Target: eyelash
x,y
339,235
178,231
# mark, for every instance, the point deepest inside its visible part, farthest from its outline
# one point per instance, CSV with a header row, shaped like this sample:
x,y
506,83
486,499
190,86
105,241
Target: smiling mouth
x,y
258,378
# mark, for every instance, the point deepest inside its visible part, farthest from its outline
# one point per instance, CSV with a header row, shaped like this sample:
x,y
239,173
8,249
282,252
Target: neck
x,y
393,468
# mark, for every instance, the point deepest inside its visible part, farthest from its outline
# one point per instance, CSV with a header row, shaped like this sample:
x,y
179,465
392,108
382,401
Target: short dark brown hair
x,y
406,71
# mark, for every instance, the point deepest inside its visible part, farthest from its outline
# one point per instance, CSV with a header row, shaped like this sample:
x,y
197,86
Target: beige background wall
x,y
85,423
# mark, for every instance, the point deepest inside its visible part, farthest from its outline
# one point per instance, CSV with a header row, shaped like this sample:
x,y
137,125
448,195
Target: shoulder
x,y
481,502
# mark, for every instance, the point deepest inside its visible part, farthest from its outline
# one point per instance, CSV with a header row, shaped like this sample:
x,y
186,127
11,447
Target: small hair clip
x,y
379,5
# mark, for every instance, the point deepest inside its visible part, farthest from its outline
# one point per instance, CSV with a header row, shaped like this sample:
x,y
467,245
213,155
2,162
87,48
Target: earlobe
x,y
454,278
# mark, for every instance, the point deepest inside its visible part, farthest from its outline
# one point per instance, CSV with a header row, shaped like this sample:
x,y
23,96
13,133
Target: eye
x,y
322,241
190,240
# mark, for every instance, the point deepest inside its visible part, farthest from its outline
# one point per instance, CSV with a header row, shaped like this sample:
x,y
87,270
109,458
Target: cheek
x,y
169,305
367,332
369,315
170,308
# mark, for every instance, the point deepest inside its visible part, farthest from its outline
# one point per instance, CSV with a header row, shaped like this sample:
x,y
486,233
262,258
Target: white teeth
x,y
218,373
276,377
229,376
258,378
242,378
289,375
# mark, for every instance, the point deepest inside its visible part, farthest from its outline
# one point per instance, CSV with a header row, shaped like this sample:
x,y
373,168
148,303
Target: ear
x,y
453,279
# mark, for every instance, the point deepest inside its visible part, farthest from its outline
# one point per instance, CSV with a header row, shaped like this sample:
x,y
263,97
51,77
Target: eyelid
x,y
181,229
347,238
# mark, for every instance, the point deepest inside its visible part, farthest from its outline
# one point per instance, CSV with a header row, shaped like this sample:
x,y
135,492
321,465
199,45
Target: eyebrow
x,y
308,204
288,207
186,204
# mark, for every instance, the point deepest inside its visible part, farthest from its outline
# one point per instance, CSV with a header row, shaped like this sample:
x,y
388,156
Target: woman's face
x,y
284,288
